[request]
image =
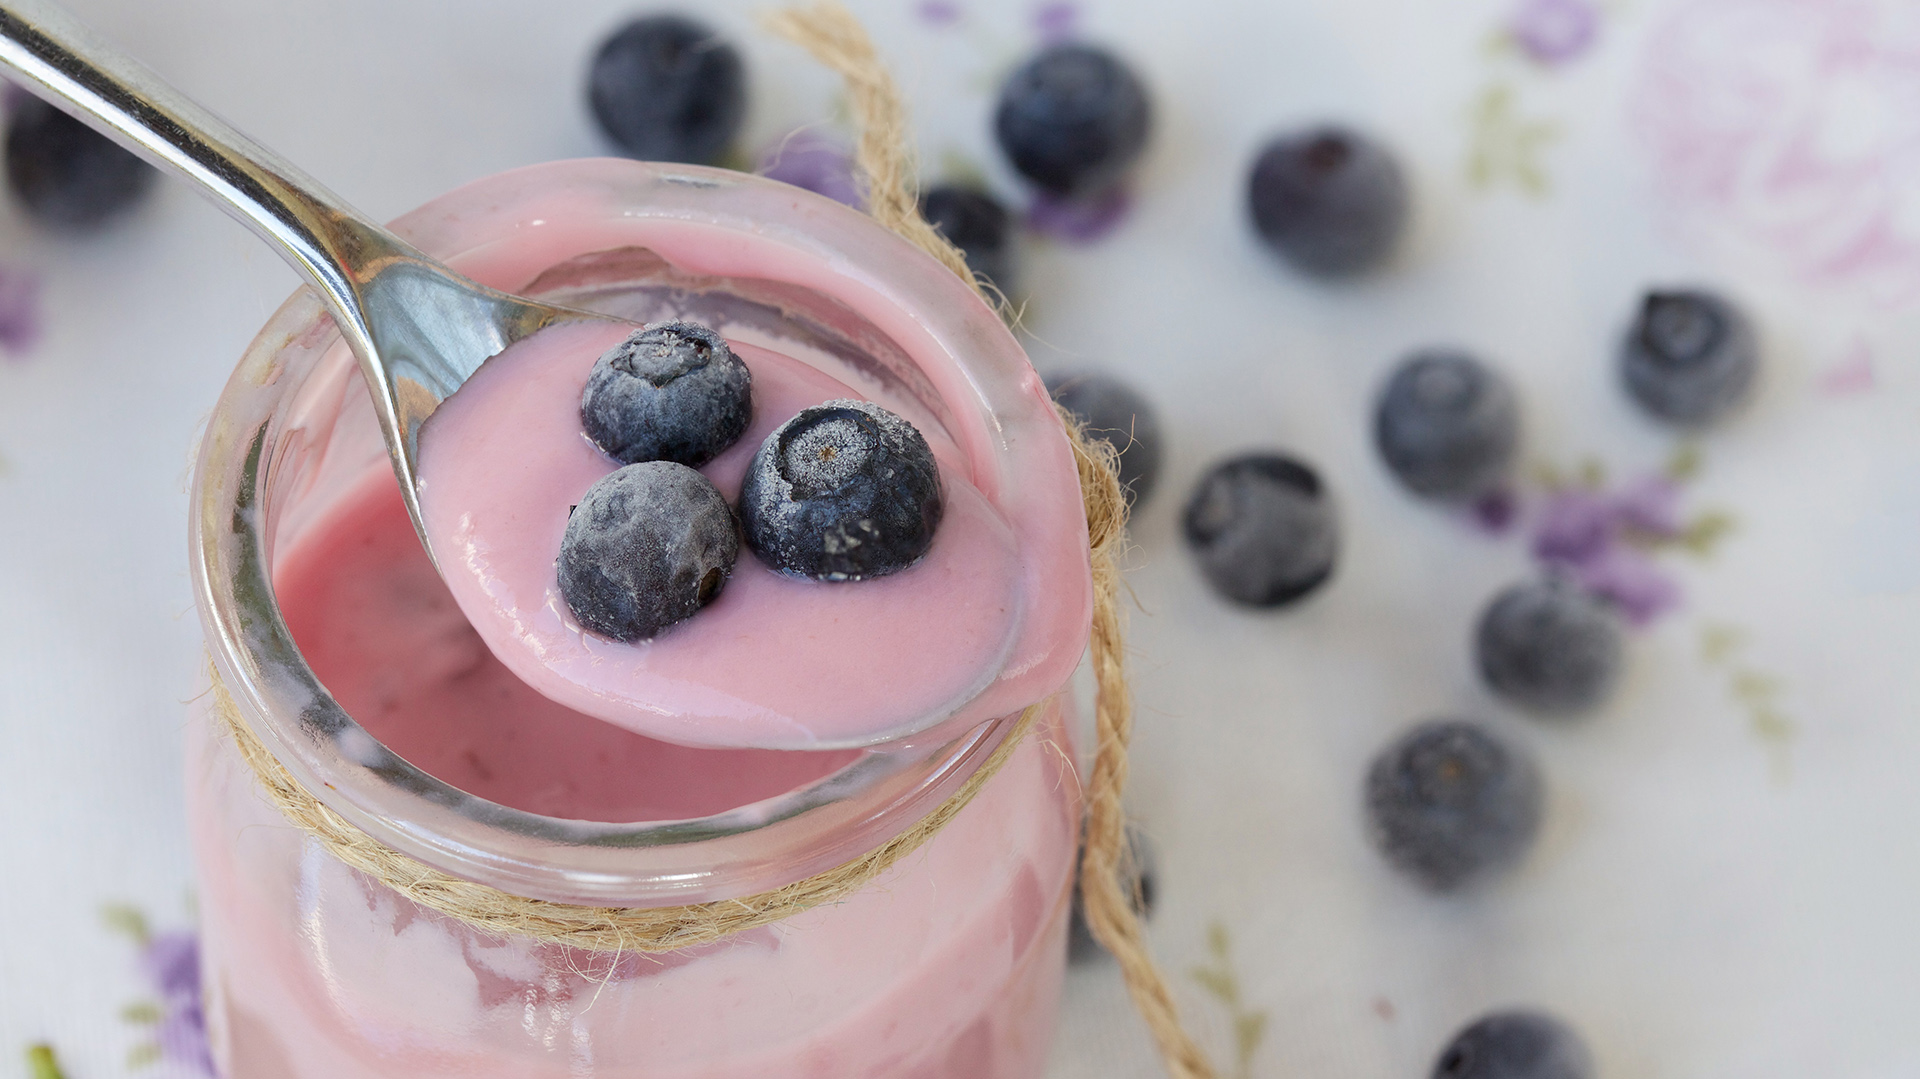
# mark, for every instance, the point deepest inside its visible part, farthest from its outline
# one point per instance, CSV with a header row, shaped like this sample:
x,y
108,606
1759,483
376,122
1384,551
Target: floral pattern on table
x,y
1791,129
1507,138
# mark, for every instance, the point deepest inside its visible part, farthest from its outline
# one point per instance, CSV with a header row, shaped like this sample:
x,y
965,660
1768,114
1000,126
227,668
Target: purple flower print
x,y
938,12
1601,540
1554,32
1057,22
1079,221
172,963
820,163
20,322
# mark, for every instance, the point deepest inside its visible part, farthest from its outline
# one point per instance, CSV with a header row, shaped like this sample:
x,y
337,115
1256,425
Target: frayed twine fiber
x,y
1108,881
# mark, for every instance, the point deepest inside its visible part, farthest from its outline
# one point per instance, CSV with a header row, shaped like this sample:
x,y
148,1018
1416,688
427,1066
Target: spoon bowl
x,y
418,329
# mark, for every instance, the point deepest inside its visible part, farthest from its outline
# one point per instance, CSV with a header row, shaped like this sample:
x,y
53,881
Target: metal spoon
x,y
419,329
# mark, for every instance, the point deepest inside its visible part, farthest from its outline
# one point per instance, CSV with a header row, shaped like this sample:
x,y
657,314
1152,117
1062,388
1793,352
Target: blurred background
x,y
1730,853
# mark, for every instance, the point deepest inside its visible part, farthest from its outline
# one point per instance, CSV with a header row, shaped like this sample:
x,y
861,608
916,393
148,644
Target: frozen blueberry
x,y
1515,1045
1262,528
1081,945
1331,201
1072,119
976,224
647,546
1112,410
1447,425
1548,647
673,391
841,492
66,174
1690,356
667,88
1448,803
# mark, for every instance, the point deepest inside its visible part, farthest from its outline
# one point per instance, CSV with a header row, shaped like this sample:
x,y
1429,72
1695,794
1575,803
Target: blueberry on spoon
x,y
1262,529
648,546
1072,119
668,88
844,491
672,391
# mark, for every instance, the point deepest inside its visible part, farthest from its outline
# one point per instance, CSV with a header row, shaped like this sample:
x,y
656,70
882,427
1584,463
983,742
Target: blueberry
x,y
1690,356
1448,803
1263,530
1515,1045
673,391
1110,409
1081,944
976,224
648,546
1548,647
667,88
1331,201
841,492
1072,119
1447,425
66,174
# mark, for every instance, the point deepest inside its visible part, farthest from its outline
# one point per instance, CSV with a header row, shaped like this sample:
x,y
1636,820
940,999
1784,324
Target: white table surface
x,y
1731,860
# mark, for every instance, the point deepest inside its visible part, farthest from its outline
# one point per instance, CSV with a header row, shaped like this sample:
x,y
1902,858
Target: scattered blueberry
x,y
1447,425
1331,201
1072,119
648,546
673,391
667,88
1113,410
1263,530
66,174
1690,357
841,492
1548,647
1515,1045
1448,803
976,224
1081,945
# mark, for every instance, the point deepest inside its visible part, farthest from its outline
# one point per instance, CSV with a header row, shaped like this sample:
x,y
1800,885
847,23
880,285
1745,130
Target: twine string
x,y
1108,880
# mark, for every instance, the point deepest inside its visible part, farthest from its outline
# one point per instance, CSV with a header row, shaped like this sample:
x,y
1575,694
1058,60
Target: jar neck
x,y
295,409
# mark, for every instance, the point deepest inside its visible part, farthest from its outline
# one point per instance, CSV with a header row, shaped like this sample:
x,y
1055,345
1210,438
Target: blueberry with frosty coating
x,y
1082,945
1548,647
673,391
1073,119
1447,425
1690,356
648,546
1515,1045
1330,201
1448,803
1112,410
844,491
1262,528
668,88
977,224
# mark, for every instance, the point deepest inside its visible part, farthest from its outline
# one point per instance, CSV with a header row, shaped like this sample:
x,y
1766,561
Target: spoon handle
x,y
317,232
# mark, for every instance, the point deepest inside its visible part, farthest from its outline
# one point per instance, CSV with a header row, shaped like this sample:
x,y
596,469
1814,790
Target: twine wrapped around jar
x,y
1108,882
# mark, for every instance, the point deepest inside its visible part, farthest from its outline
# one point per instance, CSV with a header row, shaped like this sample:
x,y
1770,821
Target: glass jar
x,y
948,966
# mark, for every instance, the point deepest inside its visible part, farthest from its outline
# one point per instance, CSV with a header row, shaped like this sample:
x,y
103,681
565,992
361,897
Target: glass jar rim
x,y
1018,453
